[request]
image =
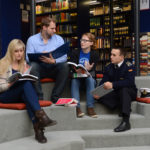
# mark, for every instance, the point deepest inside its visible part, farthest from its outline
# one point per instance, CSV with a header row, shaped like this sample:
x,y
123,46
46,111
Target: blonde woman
x,y
22,91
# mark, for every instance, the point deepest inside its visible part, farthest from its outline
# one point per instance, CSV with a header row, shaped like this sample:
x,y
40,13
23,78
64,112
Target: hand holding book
x,y
108,85
101,91
57,53
81,71
48,60
19,76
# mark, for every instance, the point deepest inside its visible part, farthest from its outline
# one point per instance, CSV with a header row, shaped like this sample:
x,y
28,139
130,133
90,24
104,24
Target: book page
x,y
18,76
72,63
28,77
80,66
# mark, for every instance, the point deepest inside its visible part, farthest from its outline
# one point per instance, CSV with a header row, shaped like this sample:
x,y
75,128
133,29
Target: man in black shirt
x,y
119,75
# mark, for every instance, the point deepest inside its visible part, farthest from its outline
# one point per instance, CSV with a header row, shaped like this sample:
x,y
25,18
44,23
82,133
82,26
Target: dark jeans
x,y
57,71
22,92
120,98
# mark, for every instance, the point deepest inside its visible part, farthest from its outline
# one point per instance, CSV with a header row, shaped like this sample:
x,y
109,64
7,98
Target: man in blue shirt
x,y
119,75
48,41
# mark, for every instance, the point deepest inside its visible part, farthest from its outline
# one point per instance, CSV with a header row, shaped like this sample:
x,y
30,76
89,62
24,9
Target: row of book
x,y
125,7
104,55
99,10
55,6
102,43
123,41
105,9
97,31
64,17
119,19
121,30
42,9
73,41
95,21
63,4
100,32
65,29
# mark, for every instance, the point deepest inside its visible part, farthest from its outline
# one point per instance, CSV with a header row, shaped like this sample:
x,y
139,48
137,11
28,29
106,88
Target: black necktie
x,y
116,67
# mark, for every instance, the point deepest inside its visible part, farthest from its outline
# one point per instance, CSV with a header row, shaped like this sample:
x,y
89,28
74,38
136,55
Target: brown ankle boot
x,y
39,133
79,112
91,112
43,119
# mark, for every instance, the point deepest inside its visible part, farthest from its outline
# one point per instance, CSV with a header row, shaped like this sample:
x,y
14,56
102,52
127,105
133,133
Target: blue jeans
x,y
57,71
75,87
22,92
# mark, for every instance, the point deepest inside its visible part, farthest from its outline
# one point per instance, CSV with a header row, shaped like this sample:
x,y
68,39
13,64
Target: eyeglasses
x,y
84,40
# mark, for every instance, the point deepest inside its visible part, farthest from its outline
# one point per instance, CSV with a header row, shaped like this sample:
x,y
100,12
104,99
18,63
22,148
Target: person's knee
x,y
35,68
75,82
124,90
64,68
91,82
27,84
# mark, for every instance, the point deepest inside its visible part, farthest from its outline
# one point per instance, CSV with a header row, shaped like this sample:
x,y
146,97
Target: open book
x,y
19,77
66,102
58,52
85,72
100,91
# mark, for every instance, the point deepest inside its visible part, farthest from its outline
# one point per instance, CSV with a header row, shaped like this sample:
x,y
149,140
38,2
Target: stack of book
x,y
144,55
148,47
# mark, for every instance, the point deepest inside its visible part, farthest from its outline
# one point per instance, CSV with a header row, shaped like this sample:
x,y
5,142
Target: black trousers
x,y
57,71
120,98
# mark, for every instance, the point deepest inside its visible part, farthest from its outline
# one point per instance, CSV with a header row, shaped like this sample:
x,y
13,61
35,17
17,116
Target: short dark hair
x,y
122,50
46,21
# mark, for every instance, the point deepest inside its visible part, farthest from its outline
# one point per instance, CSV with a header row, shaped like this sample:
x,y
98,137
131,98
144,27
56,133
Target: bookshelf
x,y
100,27
123,25
65,14
112,19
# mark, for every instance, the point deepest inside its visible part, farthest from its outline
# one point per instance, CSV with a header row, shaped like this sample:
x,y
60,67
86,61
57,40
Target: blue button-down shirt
x,y
35,44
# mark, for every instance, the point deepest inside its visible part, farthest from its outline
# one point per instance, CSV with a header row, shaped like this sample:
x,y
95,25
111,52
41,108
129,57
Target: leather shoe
x,y
122,127
43,119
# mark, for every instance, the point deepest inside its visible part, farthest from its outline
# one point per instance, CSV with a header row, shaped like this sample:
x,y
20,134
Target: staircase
x,y
71,133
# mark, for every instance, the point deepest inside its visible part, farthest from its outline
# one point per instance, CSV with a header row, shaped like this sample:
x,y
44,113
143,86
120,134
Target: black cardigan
x,y
74,57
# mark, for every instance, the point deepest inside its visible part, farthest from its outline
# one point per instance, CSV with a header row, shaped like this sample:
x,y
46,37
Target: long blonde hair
x,y
8,59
